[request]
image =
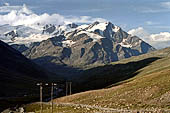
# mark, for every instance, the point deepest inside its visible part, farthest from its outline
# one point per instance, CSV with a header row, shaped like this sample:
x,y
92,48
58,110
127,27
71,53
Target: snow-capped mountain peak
x,y
116,28
102,26
96,43
69,35
97,25
99,42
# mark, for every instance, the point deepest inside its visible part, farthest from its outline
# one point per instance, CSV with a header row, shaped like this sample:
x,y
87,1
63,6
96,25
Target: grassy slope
x,y
149,88
59,109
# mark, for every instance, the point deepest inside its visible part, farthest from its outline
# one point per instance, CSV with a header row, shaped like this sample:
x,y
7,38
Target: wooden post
x,y
70,87
66,88
52,90
41,106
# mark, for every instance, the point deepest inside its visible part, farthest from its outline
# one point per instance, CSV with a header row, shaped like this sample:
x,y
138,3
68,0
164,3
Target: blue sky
x,y
145,16
151,14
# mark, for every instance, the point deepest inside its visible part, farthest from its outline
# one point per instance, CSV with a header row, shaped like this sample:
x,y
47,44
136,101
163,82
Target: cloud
x,y
149,10
162,27
22,15
140,32
151,23
7,9
82,19
6,4
161,37
158,8
160,40
165,5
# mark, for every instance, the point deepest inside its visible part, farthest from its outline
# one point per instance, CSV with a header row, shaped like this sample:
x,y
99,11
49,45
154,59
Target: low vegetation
x,y
59,108
148,88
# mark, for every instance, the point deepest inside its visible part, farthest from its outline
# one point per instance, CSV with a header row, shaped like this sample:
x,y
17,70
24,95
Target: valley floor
x,y
82,108
148,90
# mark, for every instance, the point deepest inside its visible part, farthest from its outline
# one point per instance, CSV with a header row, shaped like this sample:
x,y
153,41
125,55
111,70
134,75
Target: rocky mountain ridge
x,y
97,43
76,45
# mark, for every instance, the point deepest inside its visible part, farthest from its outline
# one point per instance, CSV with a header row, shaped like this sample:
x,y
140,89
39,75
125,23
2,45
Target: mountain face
x,y
97,43
18,75
74,45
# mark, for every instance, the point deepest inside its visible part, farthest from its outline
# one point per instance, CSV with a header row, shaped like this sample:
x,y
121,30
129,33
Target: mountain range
x,y
72,45
93,55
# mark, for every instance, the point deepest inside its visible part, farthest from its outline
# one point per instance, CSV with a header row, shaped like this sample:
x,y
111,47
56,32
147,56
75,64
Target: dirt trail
x,y
111,110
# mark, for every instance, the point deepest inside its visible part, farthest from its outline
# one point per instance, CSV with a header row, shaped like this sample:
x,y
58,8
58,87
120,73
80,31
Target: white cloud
x,y
6,4
140,32
165,4
82,19
160,40
7,9
21,15
151,23
158,8
161,37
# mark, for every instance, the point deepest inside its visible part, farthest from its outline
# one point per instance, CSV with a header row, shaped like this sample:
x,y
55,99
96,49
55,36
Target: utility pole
x,y
52,91
41,88
66,87
70,87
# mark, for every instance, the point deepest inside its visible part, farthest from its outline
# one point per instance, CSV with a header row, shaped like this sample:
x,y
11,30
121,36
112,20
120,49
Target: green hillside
x,y
141,82
148,86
